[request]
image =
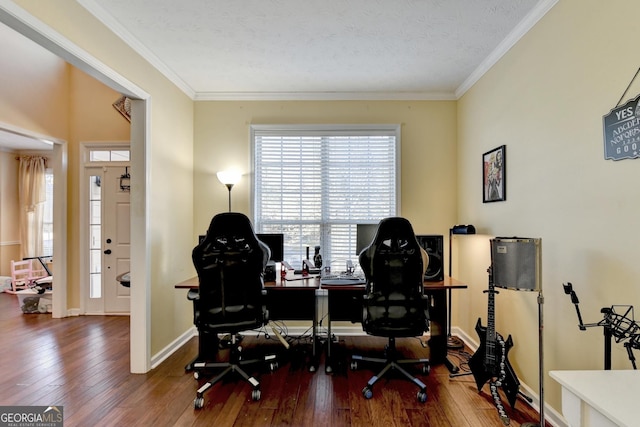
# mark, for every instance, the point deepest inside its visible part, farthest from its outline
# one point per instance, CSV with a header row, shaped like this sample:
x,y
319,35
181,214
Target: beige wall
x,y
427,153
69,105
545,100
34,80
92,118
168,158
9,232
27,105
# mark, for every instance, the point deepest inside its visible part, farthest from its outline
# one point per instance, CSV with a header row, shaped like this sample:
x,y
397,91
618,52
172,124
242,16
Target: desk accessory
x,y
621,326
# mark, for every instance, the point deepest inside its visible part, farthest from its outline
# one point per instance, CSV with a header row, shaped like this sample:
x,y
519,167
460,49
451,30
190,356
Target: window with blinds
x,y
314,184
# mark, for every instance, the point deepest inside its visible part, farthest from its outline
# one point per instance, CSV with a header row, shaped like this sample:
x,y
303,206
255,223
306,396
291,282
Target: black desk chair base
x,y
393,363
234,364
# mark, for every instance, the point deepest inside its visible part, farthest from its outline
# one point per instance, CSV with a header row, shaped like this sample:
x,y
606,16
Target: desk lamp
x,y
455,342
229,179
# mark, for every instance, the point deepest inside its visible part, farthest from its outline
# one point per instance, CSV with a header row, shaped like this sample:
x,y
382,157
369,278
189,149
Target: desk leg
x,y
438,331
313,366
328,362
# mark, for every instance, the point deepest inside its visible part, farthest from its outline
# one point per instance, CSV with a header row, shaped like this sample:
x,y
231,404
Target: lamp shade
x,y
229,178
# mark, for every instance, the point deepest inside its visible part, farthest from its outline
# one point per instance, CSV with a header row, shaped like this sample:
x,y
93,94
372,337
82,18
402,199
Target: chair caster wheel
x,y
354,365
426,369
198,402
196,375
273,366
422,396
255,395
312,368
367,393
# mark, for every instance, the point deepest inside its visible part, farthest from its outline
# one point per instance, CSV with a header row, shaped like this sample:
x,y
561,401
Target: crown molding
x,y
324,96
505,45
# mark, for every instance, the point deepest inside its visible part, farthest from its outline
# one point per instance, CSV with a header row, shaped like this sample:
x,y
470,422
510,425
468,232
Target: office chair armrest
x,y
193,295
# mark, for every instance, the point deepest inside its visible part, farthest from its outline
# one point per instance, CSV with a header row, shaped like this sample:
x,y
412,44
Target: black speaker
x,y
270,271
433,244
516,263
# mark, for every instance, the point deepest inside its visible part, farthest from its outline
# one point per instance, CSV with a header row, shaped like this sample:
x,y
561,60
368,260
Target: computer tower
x,y
433,244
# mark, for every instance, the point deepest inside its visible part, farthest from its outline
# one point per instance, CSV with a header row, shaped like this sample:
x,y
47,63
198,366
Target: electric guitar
x,y
490,363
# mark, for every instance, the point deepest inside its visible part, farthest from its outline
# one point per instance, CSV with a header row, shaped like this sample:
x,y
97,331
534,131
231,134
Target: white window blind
x,y
314,184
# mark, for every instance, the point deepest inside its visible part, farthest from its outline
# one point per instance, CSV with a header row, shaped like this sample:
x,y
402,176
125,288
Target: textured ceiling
x,y
304,49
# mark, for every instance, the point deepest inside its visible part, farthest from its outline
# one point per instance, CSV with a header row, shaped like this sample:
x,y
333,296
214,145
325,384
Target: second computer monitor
x,y
275,242
364,236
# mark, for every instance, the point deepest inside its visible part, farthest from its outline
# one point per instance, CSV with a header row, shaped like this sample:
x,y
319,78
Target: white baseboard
x,y
163,354
550,414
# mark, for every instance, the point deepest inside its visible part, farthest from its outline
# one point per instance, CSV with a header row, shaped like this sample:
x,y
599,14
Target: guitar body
x,y
483,371
476,362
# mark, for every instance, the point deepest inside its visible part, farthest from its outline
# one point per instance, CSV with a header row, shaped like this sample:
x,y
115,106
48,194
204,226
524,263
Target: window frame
x,y
325,130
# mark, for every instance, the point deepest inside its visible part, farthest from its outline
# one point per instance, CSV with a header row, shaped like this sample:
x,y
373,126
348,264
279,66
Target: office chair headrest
x,y
231,231
230,222
395,233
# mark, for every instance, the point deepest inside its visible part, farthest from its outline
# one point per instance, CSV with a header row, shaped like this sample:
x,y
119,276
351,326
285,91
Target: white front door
x,y
115,239
109,237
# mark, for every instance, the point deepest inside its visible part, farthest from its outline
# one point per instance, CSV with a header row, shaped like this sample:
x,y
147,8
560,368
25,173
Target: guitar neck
x,y
491,341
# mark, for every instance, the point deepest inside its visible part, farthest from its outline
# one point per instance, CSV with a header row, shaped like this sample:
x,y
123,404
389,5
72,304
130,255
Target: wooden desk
x,y
599,398
281,295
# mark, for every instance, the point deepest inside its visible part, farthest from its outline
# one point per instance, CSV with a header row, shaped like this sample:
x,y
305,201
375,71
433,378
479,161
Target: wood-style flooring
x,y
82,364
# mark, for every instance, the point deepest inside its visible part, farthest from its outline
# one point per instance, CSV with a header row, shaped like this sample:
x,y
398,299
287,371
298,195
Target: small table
x,y
600,398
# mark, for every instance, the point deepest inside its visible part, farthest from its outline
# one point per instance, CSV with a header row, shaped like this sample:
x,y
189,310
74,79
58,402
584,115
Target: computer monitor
x,y
275,242
364,236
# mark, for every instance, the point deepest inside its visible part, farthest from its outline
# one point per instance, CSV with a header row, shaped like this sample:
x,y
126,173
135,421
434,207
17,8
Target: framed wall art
x,y
494,177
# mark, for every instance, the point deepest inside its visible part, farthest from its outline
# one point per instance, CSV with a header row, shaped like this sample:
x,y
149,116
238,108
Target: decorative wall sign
x,y
621,128
622,131
494,184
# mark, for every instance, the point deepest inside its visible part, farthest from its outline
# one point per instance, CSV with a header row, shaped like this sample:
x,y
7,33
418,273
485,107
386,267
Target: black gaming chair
x,y
394,304
230,299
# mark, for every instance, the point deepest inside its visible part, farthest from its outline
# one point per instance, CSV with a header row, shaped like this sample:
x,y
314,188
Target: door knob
x,y
108,251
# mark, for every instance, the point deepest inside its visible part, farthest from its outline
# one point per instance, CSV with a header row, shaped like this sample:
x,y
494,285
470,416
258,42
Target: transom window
x,y
314,184
101,155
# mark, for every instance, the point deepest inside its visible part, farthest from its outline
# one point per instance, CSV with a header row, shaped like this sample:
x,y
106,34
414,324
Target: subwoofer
x,y
433,244
516,263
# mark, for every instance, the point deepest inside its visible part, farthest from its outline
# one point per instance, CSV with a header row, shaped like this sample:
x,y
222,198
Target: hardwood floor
x,y
82,364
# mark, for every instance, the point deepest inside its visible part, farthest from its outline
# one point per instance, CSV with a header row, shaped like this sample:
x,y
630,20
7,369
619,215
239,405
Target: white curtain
x,y
32,197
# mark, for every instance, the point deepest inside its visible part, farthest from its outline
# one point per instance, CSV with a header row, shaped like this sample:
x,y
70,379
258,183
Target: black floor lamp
x,y
455,342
